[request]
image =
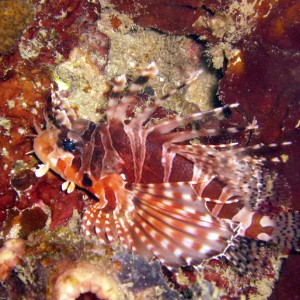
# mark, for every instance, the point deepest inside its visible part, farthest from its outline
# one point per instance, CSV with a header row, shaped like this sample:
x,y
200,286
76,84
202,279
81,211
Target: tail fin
x,y
287,230
245,254
282,229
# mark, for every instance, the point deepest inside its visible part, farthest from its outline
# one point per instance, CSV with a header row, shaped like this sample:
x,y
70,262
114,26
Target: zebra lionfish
x,y
154,187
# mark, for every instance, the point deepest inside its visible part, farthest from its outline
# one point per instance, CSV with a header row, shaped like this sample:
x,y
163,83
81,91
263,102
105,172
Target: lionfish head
x,y
62,146
45,144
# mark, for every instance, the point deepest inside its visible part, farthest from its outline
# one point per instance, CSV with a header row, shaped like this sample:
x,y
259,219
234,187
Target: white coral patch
x,y
85,278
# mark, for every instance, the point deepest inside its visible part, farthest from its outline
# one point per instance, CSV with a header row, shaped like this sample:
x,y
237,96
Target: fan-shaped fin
x,y
166,220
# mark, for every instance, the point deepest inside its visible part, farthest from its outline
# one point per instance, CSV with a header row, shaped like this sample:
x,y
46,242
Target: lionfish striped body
x,y
153,186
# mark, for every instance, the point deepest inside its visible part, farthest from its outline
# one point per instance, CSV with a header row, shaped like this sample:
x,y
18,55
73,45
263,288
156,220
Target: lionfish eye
x,y
69,145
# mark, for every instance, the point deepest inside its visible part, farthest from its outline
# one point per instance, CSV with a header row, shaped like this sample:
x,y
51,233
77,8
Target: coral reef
x,y
14,16
255,46
82,278
62,265
56,29
175,17
21,98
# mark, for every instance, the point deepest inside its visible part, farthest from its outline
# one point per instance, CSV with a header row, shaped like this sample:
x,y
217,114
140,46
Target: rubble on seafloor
x,y
86,43
62,264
